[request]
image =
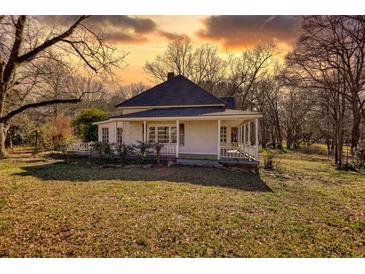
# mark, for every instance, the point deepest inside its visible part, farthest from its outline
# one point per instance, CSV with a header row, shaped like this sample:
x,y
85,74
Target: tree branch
x,y
31,54
11,114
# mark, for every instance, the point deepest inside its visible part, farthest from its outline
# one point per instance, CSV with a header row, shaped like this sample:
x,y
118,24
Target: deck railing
x,y
241,151
168,149
83,147
80,146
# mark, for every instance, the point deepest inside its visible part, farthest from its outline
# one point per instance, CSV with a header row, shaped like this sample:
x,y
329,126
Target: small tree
x,y
57,133
84,123
158,147
142,148
123,151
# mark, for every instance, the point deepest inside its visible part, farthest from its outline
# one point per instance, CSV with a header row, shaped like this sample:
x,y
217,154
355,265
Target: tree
x,y
232,75
57,133
329,60
267,98
294,108
331,53
247,70
24,45
123,93
84,123
202,65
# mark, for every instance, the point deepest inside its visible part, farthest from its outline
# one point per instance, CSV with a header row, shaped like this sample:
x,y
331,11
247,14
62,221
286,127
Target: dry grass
x,y
50,208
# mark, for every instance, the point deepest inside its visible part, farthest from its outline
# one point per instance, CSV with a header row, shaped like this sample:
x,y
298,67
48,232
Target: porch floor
x,y
245,163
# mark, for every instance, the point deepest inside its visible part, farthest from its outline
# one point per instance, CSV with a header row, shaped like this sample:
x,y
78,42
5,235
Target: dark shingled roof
x,y
229,102
176,91
171,112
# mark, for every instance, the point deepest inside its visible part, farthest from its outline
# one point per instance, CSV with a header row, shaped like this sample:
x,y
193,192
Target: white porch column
x,y
116,132
239,139
177,138
249,133
144,131
244,133
219,140
257,137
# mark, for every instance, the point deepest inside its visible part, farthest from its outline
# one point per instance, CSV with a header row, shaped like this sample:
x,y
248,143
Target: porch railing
x,y
168,149
242,151
80,146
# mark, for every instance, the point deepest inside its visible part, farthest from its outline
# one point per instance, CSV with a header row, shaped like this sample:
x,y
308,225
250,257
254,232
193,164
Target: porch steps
x,y
195,162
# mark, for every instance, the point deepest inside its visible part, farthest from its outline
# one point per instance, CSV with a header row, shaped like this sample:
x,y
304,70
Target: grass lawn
x,y
49,208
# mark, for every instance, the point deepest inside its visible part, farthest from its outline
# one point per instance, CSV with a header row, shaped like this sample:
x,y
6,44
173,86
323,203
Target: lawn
x,y
50,208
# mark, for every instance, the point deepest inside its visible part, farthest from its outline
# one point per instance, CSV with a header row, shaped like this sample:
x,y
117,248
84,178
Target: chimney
x,y
170,75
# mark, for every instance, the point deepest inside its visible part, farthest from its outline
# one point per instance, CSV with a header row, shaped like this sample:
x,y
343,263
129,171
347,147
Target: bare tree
x,y
177,58
335,46
23,44
231,75
247,70
202,65
267,98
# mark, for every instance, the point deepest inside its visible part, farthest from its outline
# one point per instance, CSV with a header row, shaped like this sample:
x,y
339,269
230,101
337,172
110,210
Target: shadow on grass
x,y
80,172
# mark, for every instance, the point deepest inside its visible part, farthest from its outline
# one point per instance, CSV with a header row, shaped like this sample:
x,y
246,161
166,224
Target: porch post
x,y
239,134
244,133
249,133
116,132
219,140
257,137
177,138
144,132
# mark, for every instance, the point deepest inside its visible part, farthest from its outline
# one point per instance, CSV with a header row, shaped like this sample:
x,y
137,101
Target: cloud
x,y
116,28
237,31
171,36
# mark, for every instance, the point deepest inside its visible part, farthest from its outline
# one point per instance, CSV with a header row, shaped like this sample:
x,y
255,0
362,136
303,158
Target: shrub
x,y
158,147
84,123
57,134
269,162
123,151
359,156
103,149
141,149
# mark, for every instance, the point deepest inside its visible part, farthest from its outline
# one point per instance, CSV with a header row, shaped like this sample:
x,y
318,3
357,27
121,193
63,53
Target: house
x,y
190,122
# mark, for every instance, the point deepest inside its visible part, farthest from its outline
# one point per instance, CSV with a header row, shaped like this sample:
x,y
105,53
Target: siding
x,y
200,137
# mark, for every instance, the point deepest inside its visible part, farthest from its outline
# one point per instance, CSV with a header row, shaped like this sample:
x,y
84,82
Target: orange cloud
x,y
115,28
242,31
171,36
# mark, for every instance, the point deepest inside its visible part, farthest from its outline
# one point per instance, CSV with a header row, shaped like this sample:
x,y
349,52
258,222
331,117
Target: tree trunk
x,y
278,134
356,117
3,132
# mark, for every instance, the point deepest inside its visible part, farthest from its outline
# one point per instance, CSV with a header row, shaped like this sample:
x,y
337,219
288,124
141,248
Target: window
x,y
163,135
234,134
173,135
223,134
152,134
181,134
119,136
105,135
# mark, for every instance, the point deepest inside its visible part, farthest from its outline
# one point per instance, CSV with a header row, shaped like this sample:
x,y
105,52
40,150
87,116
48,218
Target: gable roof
x,y
178,91
230,102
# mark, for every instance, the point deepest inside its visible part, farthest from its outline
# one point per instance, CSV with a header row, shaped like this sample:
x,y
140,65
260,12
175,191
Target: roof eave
x,y
197,117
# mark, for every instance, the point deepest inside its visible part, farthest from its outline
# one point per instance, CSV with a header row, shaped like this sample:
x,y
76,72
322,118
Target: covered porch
x,y
224,136
222,139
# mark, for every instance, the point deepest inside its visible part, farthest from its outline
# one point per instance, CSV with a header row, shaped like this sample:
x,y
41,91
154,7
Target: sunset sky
x,y
144,37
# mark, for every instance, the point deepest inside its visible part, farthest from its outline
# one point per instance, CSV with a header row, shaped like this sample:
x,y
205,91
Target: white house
x,y
190,122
